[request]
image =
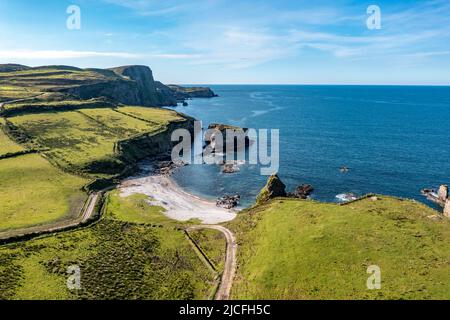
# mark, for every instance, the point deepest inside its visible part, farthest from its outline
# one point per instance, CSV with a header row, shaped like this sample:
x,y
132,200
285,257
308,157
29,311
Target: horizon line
x,y
312,84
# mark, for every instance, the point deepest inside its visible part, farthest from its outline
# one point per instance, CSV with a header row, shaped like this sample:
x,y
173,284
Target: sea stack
x,y
443,193
447,208
273,189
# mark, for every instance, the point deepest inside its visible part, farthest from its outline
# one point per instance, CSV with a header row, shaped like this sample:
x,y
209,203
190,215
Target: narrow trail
x,y
86,214
2,104
223,293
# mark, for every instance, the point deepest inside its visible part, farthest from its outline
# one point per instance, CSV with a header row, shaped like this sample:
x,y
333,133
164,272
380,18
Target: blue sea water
x,y
394,139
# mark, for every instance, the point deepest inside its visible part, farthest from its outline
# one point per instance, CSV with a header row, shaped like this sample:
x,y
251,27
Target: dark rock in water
x,y
427,191
228,202
167,167
274,188
230,168
239,138
302,192
185,104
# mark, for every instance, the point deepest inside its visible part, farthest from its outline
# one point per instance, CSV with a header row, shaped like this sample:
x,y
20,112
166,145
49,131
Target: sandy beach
x,y
179,205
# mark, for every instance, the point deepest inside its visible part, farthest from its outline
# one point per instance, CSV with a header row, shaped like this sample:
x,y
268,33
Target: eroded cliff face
x,y
131,85
140,147
130,151
147,92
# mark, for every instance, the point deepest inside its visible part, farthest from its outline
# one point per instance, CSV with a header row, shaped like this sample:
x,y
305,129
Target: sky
x,y
237,41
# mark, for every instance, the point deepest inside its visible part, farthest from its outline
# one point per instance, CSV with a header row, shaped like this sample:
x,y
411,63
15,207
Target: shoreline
x,y
179,205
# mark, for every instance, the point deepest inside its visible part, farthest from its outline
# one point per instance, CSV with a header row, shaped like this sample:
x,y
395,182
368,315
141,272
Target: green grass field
x,y
136,208
43,103
10,92
156,116
7,146
118,259
213,244
36,81
33,192
78,139
291,249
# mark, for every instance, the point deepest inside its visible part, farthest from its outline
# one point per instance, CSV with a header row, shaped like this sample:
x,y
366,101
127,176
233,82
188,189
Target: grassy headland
x,y
293,249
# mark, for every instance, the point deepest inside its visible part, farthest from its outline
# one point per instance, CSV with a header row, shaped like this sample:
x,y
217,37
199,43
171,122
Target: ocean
x,y
393,139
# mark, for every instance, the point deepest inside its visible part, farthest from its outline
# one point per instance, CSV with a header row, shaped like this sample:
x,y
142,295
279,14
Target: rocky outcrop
x,y
132,85
447,208
239,137
182,93
443,193
142,76
302,191
167,93
228,202
140,147
230,168
274,188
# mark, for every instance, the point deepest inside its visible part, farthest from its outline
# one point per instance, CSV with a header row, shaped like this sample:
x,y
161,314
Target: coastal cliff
x,y
129,85
182,93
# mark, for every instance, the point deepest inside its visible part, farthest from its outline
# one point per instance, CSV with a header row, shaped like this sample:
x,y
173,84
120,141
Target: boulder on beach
x,y
274,188
228,202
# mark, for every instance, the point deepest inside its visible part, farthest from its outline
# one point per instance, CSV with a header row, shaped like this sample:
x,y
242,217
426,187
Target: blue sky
x,y
231,41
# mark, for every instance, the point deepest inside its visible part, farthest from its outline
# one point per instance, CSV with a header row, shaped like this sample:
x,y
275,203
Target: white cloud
x,y
149,7
61,54
71,54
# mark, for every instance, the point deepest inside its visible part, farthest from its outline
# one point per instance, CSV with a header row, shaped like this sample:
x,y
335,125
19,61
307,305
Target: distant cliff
x,y
132,85
182,93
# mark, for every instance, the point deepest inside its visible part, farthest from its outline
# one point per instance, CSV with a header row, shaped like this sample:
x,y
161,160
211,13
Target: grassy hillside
x,y
134,252
33,192
73,119
213,245
84,141
291,249
7,146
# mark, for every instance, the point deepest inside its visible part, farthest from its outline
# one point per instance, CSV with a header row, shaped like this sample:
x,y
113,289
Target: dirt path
x,y
223,293
19,234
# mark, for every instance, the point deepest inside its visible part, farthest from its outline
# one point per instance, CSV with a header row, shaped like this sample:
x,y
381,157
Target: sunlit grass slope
x,y
291,249
34,192
134,252
77,140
